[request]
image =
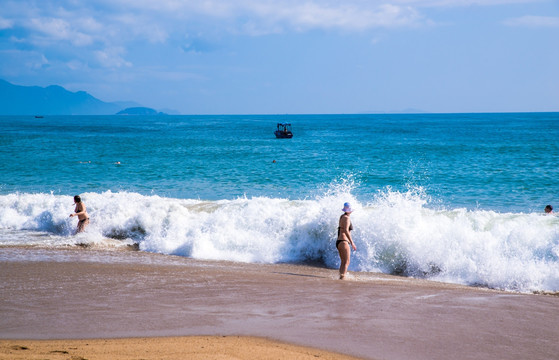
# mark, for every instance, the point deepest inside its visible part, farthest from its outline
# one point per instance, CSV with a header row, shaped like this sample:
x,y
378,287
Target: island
x,y
139,111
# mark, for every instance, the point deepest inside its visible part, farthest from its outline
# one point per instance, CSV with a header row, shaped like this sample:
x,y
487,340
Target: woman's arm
x,y
80,209
351,241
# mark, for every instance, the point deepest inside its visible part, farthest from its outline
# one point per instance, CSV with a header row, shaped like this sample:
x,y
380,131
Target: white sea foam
x,y
395,233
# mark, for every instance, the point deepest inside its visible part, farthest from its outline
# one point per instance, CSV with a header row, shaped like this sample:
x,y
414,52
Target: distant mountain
x,y
139,111
52,100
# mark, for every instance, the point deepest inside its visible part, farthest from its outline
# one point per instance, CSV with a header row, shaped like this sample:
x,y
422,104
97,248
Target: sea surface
x,y
447,197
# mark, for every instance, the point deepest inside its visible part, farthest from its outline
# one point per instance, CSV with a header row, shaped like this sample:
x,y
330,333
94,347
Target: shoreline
x,y
371,316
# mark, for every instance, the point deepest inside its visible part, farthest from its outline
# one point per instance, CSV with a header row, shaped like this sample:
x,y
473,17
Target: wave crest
x,y
395,233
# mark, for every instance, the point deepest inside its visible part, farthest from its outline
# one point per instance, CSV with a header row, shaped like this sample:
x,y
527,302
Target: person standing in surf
x,y
344,240
81,212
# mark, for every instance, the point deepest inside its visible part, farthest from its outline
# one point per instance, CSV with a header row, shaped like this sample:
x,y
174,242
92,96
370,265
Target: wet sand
x,y
369,315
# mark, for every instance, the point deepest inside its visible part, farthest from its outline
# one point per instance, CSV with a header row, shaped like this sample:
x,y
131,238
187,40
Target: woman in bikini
x,y
81,213
345,240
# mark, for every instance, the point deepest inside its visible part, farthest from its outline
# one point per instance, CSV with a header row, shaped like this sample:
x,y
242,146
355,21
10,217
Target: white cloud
x,y
6,23
259,17
533,21
130,25
344,16
151,32
77,65
115,22
17,40
111,58
89,24
154,20
462,3
53,29
37,63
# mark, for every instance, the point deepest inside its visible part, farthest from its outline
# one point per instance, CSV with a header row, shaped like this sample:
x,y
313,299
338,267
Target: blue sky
x,y
291,56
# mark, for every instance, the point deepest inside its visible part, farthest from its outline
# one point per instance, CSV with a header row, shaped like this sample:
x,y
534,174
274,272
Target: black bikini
x,y
76,211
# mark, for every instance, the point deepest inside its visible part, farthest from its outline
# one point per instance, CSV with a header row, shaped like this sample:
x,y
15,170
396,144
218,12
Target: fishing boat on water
x,y
283,131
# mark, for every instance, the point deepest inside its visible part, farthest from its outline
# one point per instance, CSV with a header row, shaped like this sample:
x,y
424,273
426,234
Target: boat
x,y
283,131
39,116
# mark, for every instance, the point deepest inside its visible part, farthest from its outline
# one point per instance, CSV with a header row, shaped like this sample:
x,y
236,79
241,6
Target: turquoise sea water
x,y
457,197
502,162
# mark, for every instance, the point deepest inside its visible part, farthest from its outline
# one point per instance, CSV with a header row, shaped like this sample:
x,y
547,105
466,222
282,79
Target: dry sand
x,y
191,348
371,316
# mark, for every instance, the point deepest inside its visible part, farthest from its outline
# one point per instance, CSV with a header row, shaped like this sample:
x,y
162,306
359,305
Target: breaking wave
x,y
396,233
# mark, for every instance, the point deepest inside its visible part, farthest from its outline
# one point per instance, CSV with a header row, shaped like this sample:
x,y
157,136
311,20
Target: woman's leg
x,y
82,225
344,251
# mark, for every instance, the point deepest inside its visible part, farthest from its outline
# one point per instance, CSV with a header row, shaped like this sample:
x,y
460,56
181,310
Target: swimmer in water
x,y
81,212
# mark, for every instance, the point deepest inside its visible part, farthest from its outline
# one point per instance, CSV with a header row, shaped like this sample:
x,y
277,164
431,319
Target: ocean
x,y
447,197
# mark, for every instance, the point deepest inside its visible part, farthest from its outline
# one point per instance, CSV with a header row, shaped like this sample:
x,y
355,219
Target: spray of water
x,y
395,232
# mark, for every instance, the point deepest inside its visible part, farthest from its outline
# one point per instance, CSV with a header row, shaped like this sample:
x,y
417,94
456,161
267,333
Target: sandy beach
x,y
154,306
192,347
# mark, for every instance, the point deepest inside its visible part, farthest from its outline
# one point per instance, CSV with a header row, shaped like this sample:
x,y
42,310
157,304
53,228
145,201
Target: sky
x,y
290,56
